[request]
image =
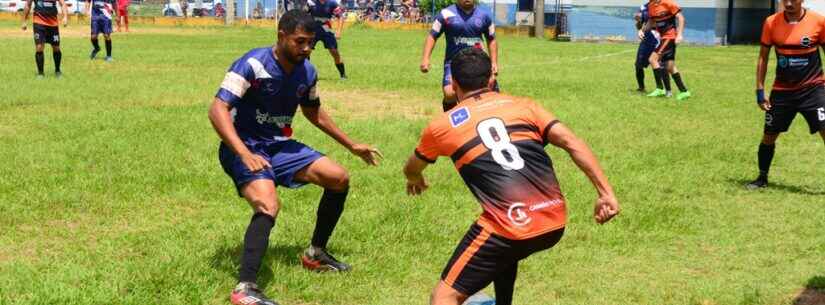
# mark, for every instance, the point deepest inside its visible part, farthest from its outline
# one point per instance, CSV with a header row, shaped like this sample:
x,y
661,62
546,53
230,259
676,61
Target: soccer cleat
x,y
93,54
657,93
760,182
108,59
249,294
317,259
40,76
683,95
58,74
344,77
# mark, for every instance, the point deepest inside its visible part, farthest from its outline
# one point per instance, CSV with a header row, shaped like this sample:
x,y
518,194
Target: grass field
x,y
111,192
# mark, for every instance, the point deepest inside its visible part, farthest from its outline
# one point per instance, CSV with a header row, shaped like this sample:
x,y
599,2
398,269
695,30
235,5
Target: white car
x,y
173,8
12,5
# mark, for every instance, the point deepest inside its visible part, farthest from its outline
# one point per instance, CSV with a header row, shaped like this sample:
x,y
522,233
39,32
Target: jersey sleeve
x,y
438,26
766,33
672,8
489,28
236,82
311,99
543,119
427,148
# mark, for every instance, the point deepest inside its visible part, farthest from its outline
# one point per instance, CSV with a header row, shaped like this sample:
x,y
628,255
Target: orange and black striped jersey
x,y
798,64
497,144
663,13
45,12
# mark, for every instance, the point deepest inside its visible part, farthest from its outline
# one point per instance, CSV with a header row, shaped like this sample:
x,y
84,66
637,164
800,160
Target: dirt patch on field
x,y
809,296
375,104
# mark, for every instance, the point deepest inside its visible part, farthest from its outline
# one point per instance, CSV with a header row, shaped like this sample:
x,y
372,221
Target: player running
x,y
101,21
252,112
664,16
797,34
464,25
497,144
323,11
646,47
46,30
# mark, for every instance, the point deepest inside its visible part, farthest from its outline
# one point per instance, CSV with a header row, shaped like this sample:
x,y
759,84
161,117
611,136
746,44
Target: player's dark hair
x,y
296,19
471,69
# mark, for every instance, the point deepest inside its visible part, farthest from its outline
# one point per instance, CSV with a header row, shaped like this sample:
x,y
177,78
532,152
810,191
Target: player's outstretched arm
x,y
429,44
761,70
222,122
323,121
606,205
65,12
26,11
413,170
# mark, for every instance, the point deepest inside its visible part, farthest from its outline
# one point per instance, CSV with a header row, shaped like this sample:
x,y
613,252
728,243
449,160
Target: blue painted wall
x,y
594,22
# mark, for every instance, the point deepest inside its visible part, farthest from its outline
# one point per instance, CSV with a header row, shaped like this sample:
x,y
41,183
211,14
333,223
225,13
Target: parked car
x,y
12,5
173,8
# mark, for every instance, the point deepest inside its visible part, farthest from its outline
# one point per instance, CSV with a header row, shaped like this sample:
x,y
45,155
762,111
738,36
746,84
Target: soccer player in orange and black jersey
x,y
497,144
667,19
45,30
797,34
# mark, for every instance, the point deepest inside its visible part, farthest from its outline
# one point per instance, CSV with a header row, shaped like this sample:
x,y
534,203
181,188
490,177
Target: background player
x,y
263,89
664,15
797,34
646,47
464,25
101,21
497,144
323,11
123,14
46,30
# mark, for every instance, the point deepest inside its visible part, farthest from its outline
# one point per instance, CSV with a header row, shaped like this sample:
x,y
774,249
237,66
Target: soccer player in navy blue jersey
x,y
466,26
101,21
252,113
324,11
646,47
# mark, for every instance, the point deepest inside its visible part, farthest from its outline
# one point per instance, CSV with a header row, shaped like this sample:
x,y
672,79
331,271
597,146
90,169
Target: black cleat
x,y
249,294
760,182
319,260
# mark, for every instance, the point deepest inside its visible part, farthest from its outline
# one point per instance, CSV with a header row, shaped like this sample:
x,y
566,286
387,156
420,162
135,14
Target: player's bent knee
x,y
339,181
267,206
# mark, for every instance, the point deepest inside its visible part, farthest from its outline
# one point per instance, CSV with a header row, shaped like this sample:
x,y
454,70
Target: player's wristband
x,y
760,96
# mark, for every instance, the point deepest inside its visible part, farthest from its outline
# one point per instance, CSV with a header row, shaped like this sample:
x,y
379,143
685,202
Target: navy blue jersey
x,y
264,98
324,10
102,8
652,37
463,30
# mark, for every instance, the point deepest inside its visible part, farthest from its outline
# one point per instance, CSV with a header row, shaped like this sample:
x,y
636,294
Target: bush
x,y
427,5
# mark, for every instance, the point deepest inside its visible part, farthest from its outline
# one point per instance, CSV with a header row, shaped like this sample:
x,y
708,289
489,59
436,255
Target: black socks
x,y
329,211
341,70
255,243
640,77
108,48
57,56
95,44
38,58
663,75
678,79
765,159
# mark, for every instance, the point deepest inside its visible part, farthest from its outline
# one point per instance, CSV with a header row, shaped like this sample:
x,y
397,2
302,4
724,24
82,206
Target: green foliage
x,y
427,5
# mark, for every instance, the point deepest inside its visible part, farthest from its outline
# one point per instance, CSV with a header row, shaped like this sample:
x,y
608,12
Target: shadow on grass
x,y
778,186
813,294
228,259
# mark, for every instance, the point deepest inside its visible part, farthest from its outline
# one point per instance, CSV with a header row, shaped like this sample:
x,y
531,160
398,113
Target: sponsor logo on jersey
x,y
517,213
459,116
782,61
806,41
467,41
265,118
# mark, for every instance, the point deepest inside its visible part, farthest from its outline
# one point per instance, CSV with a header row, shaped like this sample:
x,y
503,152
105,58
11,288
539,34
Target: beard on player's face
x,y
295,47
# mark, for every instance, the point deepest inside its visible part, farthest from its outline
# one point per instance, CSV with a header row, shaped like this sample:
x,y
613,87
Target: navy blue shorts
x,y
646,47
286,158
328,38
101,25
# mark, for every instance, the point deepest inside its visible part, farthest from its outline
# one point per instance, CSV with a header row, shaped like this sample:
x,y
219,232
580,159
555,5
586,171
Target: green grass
x,y
111,192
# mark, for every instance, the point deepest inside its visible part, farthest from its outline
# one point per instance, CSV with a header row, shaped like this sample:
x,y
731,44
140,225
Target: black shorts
x,y
810,102
482,256
666,50
46,34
